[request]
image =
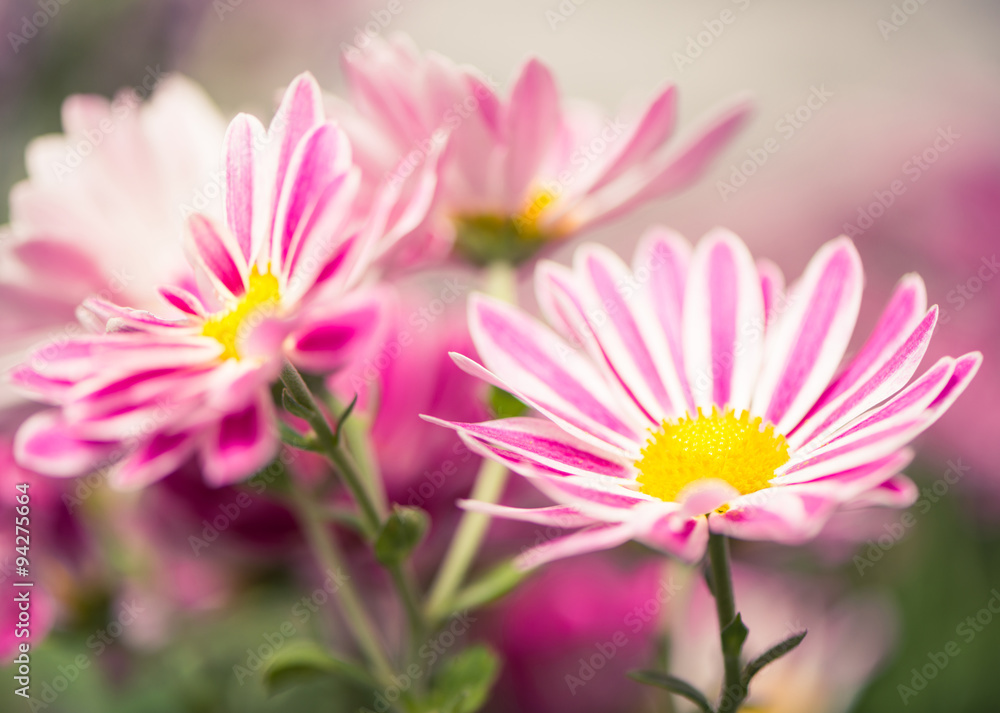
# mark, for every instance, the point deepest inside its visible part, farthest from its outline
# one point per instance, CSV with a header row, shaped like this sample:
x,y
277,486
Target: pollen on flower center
x,y
737,449
261,296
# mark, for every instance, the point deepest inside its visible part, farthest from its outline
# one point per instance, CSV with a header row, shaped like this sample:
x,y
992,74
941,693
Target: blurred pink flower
x,y
849,637
628,448
525,169
409,373
567,643
276,281
102,208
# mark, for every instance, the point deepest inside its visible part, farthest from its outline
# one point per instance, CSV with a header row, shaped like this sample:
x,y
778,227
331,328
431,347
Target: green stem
x,y
329,442
465,543
371,521
328,556
725,607
357,433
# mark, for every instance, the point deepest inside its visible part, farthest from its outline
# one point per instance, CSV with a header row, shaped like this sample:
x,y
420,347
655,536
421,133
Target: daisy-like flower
x,y
100,212
274,282
518,172
693,393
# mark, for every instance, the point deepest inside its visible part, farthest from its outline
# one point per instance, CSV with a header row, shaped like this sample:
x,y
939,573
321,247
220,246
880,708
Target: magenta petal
x,y
679,535
331,340
47,444
160,456
215,256
183,300
241,444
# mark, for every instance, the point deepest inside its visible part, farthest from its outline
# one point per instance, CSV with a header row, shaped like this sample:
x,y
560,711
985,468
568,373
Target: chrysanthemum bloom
x,y
693,393
849,637
101,211
518,172
274,282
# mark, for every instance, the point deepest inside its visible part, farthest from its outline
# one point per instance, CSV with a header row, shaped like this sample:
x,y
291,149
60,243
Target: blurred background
x,y
875,118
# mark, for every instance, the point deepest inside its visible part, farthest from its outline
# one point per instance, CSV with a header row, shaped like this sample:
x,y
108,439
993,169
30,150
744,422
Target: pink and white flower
x,y
514,173
692,393
102,209
276,280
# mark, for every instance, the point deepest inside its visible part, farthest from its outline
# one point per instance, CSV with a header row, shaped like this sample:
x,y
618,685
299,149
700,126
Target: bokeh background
x,y
857,95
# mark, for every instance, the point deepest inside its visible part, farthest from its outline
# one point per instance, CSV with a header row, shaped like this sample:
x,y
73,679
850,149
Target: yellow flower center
x,y
225,327
739,450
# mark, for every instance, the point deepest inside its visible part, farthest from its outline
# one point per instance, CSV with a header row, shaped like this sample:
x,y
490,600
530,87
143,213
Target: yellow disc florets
x,y
262,296
737,449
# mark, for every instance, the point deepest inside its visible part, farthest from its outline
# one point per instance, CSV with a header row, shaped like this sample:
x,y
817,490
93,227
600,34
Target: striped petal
x,y
533,116
723,322
809,340
536,363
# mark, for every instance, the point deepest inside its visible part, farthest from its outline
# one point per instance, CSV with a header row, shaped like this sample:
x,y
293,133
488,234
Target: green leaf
x,y
492,585
464,681
673,684
290,404
402,531
293,438
772,654
343,418
305,660
734,635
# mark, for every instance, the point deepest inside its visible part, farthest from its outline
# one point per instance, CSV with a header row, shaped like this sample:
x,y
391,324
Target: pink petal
x,y
243,133
214,254
723,322
592,539
158,457
241,444
889,375
546,443
560,516
782,514
809,340
772,284
183,300
534,361
532,119
332,339
314,197
301,109
47,444
896,492
683,537
902,316
650,133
